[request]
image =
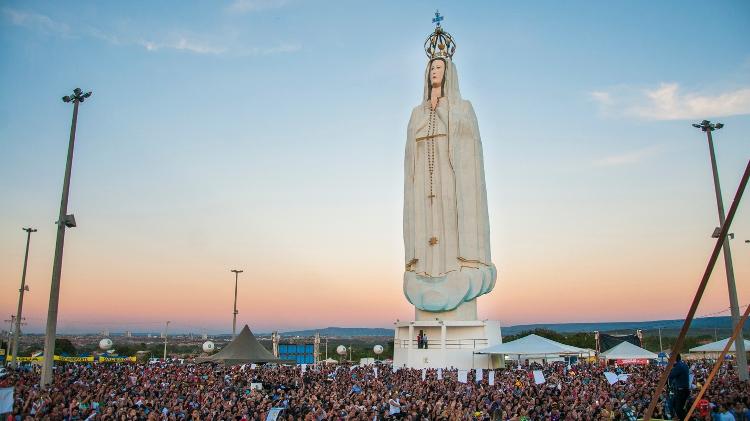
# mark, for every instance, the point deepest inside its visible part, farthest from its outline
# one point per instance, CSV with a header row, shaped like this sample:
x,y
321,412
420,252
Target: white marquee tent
x,y
718,346
627,351
533,345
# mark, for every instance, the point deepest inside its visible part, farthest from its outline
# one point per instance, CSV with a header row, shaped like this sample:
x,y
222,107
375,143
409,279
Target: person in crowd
x,y
394,403
679,382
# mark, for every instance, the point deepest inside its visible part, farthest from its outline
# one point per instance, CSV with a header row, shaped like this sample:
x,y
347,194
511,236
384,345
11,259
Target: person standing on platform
x,y
679,381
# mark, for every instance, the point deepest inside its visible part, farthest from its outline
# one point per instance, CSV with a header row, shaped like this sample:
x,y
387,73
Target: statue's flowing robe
x,y
446,223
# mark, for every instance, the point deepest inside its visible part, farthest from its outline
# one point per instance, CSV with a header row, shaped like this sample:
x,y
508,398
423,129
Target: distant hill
x,y
704,323
723,323
342,332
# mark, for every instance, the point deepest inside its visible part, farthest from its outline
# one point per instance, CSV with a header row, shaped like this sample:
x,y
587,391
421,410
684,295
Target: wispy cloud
x,y
36,21
602,97
278,49
183,44
184,41
627,158
247,6
201,47
669,102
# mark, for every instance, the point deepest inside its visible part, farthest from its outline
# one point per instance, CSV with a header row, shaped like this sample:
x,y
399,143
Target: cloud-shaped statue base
x,y
446,293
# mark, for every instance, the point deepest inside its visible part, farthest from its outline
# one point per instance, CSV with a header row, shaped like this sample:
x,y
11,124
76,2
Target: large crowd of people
x,y
174,391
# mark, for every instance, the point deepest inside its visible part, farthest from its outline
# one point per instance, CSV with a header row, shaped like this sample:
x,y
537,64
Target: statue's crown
x,y
439,44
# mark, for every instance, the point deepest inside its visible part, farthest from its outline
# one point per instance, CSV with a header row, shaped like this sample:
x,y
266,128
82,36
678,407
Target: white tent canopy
x,y
533,345
627,351
718,346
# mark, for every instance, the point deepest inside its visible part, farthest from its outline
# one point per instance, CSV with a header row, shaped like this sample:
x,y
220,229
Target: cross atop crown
x,y
436,20
439,44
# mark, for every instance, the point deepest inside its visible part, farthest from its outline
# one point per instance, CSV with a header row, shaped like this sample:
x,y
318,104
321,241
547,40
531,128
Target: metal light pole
x,y
661,347
234,313
708,127
63,221
10,322
166,330
24,288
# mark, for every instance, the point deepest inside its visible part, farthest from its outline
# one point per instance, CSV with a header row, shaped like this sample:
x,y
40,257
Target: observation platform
x,y
450,344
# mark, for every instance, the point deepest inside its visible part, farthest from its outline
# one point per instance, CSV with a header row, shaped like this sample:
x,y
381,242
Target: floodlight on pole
x,y
21,291
708,127
63,221
235,312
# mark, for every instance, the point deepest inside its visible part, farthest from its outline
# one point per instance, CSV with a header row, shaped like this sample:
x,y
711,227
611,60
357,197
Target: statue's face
x,y
437,72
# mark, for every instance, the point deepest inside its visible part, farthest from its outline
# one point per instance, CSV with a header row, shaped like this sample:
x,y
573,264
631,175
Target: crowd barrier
x,y
89,359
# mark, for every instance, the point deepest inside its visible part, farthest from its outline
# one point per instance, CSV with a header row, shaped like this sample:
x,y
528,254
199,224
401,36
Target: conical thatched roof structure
x,y
242,350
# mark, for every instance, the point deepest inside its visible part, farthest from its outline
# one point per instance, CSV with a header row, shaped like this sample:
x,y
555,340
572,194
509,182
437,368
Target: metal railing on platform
x,y
468,343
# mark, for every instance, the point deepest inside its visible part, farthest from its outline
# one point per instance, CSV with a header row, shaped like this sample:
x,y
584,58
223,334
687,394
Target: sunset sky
x,y
268,135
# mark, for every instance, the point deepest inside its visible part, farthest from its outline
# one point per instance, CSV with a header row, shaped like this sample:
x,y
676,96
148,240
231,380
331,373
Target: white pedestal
x,y
451,343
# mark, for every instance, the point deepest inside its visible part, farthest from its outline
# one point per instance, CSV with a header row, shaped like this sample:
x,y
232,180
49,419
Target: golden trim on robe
x,y
430,136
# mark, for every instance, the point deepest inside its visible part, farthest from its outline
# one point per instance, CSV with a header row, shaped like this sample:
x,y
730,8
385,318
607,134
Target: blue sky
x,y
269,135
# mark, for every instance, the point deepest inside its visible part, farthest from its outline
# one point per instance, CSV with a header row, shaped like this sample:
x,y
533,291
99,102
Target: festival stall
x,y
534,347
713,349
627,353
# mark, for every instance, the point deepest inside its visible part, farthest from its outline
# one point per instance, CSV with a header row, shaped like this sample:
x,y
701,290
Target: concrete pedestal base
x,y
450,343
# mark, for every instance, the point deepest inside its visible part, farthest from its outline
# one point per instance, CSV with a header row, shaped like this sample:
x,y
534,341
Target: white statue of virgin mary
x,y
446,224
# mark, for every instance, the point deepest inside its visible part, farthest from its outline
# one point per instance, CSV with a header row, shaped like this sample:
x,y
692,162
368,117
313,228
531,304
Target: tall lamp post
x,y
10,323
166,331
708,127
661,347
234,313
8,346
63,221
24,288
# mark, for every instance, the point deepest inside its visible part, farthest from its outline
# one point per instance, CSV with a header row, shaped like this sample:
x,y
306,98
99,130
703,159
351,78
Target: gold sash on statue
x,y
430,136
